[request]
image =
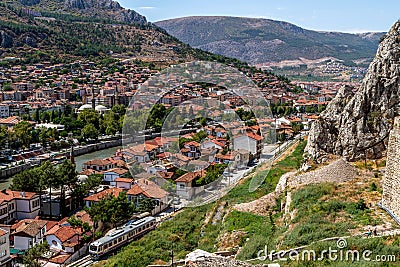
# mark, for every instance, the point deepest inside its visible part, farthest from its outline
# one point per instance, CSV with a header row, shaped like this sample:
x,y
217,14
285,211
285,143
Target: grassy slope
x,y
183,232
322,211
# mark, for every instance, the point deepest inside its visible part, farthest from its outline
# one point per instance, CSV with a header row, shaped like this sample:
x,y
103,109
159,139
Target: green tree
x,y
81,190
146,205
296,127
33,254
28,181
67,177
67,173
112,209
89,116
119,109
321,108
7,87
310,109
23,133
89,132
4,136
203,121
110,123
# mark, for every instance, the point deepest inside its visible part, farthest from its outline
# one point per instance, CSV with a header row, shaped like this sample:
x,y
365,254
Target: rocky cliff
x,y
94,8
111,9
357,125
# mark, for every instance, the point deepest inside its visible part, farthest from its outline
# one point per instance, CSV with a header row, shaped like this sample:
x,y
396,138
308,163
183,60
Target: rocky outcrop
x,y
88,4
6,40
107,9
357,125
30,41
30,2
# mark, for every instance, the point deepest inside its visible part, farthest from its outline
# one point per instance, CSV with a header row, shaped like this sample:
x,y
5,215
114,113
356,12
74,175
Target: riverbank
x,y
87,150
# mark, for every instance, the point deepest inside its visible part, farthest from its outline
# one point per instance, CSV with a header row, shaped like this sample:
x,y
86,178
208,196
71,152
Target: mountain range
x,y
267,42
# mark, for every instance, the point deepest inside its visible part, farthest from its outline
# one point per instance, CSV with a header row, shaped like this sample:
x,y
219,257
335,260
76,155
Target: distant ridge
x,y
261,41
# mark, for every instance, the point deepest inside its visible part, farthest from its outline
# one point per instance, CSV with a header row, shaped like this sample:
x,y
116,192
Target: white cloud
x,y
146,7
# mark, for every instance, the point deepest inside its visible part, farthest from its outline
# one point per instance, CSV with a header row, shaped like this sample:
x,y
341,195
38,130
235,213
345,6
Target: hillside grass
x,y
320,211
184,234
292,162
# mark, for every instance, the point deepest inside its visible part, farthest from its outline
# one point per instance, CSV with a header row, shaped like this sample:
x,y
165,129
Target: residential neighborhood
x,y
148,175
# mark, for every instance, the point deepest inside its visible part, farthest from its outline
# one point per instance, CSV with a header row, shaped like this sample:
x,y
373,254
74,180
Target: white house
x,y
211,144
4,247
184,184
111,175
63,238
249,142
153,169
28,233
125,183
144,188
16,205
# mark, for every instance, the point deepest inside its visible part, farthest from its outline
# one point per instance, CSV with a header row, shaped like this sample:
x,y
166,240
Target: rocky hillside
x,y
93,8
262,41
36,34
358,125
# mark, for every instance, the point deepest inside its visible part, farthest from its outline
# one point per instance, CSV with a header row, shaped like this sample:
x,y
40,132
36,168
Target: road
x,y
229,180
270,153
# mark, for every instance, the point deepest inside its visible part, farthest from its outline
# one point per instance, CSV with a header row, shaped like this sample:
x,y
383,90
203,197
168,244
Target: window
x,y
181,186
11,206
35,203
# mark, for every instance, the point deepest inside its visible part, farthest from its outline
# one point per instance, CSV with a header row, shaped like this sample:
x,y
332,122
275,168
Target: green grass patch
x,y
182,234
241,193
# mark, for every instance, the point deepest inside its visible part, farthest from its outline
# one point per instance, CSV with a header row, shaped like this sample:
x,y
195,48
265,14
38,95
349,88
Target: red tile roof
x,y
96,197
119,171
3,232
136,190
65,233
60,259
190,176
124,180
28,227
8,195
147,188
98,162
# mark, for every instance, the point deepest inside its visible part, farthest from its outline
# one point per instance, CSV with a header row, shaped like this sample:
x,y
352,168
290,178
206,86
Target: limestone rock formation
x,y
6,40
30,2
109,8
357,125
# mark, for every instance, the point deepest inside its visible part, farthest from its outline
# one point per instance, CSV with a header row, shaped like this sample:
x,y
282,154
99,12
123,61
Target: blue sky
x,y
324,15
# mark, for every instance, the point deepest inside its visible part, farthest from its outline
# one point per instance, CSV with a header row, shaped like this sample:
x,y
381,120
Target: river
x,y
100,154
